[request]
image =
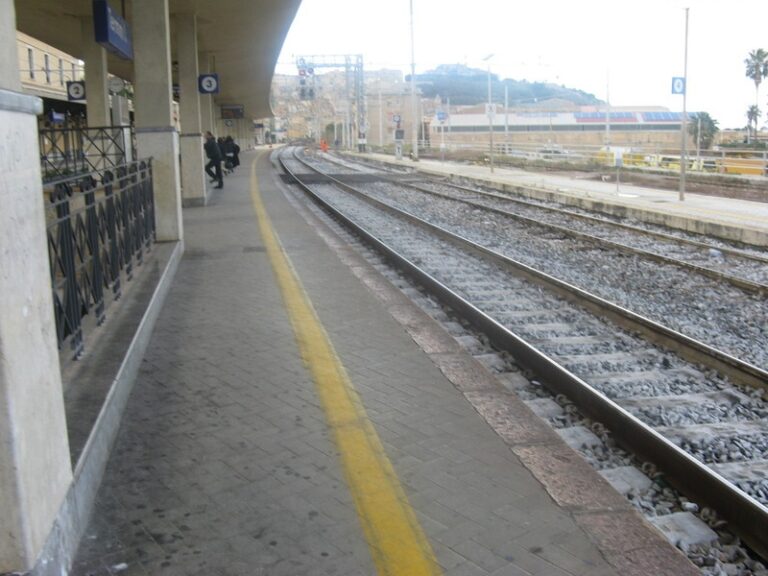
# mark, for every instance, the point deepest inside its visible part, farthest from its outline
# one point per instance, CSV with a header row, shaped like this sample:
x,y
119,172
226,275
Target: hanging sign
x,y
233,111
208,83
111,31
75,90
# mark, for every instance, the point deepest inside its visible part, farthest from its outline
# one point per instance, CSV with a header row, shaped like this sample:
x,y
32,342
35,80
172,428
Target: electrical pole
x,y
490,112
684,125
414,108
506,113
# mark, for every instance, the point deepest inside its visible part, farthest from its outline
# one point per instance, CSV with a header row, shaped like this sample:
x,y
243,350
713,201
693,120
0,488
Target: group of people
x,y
217,151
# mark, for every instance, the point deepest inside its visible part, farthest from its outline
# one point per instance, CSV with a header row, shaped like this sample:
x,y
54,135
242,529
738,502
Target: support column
x,y
192,163
156,135
208,123
35,469
96,77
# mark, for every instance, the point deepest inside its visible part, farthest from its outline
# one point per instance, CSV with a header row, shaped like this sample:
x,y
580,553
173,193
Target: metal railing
x,y
66,152
97,230
728,161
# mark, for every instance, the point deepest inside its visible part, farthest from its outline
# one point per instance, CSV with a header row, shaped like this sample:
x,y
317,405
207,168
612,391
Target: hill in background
x,y
468,86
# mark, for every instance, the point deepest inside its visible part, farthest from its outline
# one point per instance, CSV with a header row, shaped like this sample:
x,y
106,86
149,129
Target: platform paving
x,y
224,464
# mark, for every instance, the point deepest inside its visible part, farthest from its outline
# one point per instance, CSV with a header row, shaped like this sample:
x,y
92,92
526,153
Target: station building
x,y
586,126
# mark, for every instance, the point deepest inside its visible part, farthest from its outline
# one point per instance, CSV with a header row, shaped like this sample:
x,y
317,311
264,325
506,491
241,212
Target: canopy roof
x,y
243,36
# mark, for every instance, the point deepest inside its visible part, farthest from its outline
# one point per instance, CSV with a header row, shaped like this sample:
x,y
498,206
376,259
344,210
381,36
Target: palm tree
x,y
757,69
703,129
753,114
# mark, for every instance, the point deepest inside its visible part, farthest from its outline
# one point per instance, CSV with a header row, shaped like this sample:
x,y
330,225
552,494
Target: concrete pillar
x,y
156,135
96,77
208,124
35,469
192,176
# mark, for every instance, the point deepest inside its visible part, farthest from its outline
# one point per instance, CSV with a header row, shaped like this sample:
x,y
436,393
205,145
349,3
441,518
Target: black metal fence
x,y
66,152
98,230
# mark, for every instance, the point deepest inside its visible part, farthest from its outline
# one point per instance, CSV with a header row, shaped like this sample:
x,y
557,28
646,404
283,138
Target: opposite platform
x,y
740,220
230,461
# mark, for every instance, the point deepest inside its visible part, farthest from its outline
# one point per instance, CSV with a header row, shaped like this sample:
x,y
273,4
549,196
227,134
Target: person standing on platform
x,y
233,150
213,167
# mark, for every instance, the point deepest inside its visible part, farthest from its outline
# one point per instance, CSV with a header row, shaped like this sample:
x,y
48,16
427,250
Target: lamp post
x,y
490,109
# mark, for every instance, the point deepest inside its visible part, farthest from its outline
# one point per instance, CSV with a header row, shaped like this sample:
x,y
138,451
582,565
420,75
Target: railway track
x,y
708,436
728,318
744,269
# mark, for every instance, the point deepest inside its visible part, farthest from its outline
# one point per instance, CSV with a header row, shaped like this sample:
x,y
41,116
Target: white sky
x,y
635,47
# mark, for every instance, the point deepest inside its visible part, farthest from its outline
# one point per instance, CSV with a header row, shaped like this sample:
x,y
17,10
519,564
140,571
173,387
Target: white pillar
x,y
208,124
192,164
96,77
156,135
35,469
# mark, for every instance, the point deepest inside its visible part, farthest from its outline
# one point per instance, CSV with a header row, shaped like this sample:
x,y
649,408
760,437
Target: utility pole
x,y
608,111
381,117
414,108
506,113
684,124
490,112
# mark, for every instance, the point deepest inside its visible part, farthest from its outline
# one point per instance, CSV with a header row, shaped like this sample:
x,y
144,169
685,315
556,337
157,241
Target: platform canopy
x,y
244,37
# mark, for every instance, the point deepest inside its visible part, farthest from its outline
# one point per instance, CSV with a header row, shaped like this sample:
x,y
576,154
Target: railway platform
x,y
296,413
729,218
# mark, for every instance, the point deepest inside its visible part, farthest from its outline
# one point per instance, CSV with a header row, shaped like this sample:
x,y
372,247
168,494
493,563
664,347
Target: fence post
x,y
87,186
113,250
124,208
68,318
137,223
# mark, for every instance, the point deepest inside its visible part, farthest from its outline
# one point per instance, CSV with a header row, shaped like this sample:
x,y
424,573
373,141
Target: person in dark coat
x,y
212,152
233,151
227,151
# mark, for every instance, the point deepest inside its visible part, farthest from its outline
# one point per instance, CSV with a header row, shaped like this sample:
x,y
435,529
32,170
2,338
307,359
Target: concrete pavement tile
x,y
422,330
458,534
510,570
530,562
466,569
620,532
447,557
569,479
510,418
464,372
659,561
479,555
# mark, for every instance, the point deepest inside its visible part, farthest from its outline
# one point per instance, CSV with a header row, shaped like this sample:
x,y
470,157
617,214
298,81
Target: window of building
x,y
74,71
47,69
31,62
61,72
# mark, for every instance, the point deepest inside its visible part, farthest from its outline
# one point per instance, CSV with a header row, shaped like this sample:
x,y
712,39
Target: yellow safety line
x,y
395,538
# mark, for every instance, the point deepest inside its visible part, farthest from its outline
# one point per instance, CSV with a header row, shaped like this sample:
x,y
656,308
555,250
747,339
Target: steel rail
x,y
748,517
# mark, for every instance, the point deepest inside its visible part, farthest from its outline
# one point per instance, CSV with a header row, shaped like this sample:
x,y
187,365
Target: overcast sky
x,y
634,48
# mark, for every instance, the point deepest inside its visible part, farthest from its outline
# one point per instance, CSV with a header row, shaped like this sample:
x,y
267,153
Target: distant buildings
x,y
387,98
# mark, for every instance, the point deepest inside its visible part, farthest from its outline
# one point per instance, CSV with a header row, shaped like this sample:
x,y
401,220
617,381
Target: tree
x,y
753,115
757,69
708,126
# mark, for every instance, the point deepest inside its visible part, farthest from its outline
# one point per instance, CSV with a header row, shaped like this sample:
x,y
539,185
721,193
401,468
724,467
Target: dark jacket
x,y
212,149
228,147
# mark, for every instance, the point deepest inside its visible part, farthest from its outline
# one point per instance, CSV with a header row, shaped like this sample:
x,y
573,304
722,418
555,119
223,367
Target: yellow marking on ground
x,y
397,542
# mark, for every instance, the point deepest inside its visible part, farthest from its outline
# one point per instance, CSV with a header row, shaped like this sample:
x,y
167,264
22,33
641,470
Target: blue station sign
x,y
111,30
